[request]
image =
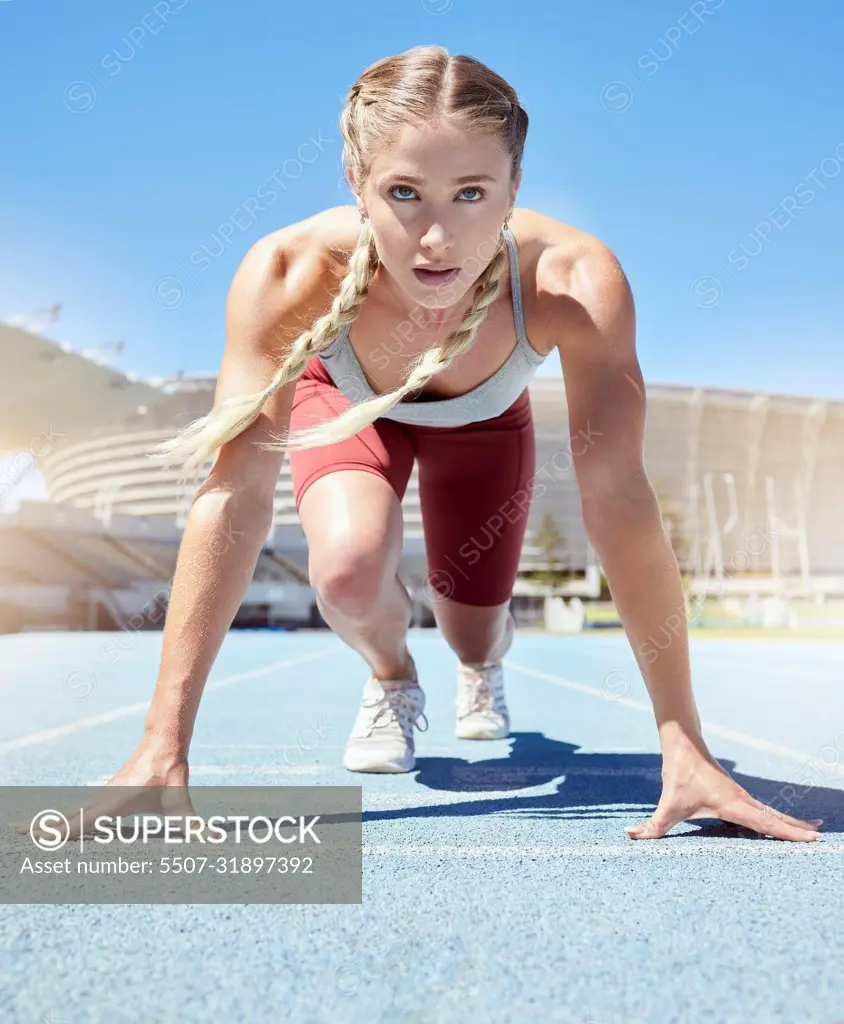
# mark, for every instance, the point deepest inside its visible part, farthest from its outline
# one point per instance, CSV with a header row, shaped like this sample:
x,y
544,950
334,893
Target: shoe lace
x,y
395,707
476,693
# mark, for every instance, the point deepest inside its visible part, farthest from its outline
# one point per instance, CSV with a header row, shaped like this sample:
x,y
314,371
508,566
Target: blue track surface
x,y
499,884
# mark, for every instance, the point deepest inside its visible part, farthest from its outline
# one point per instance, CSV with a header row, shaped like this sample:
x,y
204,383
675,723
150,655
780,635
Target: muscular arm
x,y
271,297
606,398
606,404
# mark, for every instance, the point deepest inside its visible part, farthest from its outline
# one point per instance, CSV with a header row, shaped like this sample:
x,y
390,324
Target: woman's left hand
x,y
696,786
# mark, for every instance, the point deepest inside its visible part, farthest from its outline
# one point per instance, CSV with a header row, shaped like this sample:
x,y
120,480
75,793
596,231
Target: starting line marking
x,y
654,848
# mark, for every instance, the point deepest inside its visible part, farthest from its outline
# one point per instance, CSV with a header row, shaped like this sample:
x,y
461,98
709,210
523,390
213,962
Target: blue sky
x,y
703,142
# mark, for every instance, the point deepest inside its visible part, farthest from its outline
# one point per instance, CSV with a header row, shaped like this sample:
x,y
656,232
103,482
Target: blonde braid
x,y
428,365
197,442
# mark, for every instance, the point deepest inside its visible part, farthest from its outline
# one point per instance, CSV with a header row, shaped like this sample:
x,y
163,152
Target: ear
x,y
352,184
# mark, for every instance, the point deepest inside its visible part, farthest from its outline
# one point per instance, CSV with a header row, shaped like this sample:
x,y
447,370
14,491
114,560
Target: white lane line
x,y
649,848
199,770
33,739
452,750
239,746
718,730
389,801
263,769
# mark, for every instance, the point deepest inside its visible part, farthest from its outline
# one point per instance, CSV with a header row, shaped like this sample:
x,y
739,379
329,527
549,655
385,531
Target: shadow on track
x,y
589,782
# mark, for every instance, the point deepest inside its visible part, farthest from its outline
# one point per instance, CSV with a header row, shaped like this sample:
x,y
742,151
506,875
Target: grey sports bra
x,y
490,398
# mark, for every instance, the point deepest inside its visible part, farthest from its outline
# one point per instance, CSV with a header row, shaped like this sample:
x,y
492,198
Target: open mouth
x,y
435,276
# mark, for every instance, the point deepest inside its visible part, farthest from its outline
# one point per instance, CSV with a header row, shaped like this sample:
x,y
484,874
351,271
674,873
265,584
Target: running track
x,y
498,882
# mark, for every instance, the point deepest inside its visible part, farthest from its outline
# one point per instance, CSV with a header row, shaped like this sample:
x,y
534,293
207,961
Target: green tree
x,y
551,542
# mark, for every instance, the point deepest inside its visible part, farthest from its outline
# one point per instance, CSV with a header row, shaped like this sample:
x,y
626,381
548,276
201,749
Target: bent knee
x,y
351,581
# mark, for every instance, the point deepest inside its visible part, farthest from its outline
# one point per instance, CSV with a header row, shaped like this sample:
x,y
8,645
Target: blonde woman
x,y
406,327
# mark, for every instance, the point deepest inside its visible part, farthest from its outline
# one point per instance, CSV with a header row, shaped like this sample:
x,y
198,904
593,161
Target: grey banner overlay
x,y
305,845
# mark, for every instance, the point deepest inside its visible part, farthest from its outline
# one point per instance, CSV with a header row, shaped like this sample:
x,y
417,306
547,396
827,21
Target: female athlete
x,y
404,329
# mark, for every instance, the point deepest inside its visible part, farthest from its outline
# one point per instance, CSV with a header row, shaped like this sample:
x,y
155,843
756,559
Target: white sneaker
x,y
382,737
481,708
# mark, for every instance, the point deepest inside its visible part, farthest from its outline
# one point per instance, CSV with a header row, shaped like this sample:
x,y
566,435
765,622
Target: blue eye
x,y
408,188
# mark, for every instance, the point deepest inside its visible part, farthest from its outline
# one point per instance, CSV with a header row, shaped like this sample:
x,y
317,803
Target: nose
x,y
437,238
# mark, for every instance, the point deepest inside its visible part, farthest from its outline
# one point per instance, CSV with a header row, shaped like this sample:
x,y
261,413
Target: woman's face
x,y
439,195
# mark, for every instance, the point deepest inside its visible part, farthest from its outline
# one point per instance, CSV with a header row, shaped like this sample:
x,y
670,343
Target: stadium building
x,y
749,483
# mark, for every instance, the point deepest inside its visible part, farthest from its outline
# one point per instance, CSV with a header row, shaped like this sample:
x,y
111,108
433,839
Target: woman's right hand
x,y
154,780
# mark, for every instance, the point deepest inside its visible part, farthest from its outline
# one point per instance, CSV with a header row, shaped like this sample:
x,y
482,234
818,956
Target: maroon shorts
x,y
475,483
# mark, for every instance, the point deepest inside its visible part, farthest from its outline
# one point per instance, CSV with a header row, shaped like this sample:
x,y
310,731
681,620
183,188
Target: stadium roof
x,y
48,387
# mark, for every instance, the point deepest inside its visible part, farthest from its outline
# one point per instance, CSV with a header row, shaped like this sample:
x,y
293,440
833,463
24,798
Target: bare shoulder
x,y
285,282
289,277
322,242
579,284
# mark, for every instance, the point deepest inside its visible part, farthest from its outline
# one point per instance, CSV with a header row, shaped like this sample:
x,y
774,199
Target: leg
x,y
475,484
476,633
349,499
348,496
353,524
